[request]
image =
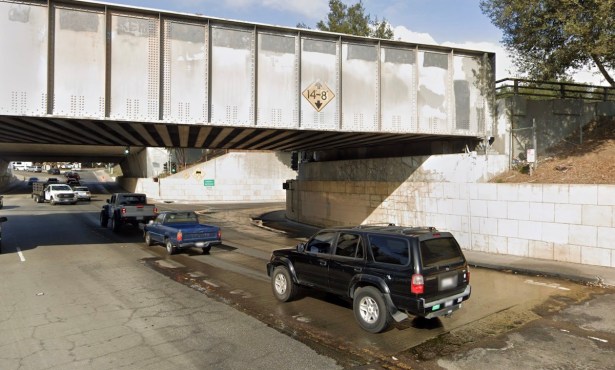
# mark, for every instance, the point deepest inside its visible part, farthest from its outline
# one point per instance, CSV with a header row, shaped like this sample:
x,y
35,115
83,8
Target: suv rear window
x,y
440,251
388,249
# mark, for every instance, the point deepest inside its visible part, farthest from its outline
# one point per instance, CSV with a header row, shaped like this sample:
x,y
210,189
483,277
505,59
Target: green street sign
x,y
209,182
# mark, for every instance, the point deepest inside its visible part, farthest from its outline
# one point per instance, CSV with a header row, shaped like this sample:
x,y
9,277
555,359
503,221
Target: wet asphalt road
x,y
511,321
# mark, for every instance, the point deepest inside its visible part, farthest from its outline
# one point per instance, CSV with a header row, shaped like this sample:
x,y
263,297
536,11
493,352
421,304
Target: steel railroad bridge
x,y
83,79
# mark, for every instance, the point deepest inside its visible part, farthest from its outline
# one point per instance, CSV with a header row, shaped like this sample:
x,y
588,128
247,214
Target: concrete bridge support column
x,y
144,162
6,174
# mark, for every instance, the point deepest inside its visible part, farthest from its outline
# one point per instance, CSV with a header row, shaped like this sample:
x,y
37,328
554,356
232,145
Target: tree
x,y
352,20
550,38
382,29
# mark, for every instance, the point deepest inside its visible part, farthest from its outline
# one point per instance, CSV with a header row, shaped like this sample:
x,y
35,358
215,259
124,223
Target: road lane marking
x,y
21,257
599,339
552,285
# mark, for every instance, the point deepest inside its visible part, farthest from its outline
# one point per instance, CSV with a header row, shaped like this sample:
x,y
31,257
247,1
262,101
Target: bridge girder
x,y
88,74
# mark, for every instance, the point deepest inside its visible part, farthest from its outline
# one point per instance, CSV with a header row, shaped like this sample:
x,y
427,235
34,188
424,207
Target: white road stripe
x,y
552,285
21,257
599,339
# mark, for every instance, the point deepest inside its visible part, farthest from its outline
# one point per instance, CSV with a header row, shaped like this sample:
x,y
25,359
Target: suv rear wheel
x,y
284,289
371,310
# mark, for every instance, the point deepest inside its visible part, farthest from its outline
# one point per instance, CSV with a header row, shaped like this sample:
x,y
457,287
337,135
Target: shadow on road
x,y
34,231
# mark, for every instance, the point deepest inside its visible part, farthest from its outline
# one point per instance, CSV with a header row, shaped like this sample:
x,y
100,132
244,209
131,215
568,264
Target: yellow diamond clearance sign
x,y
319,95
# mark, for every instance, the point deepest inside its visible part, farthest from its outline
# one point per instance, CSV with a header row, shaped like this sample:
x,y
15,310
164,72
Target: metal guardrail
x,y
554,90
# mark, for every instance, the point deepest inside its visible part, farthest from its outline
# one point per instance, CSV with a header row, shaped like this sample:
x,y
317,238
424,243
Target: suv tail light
x,y
123,210
418,284
180,236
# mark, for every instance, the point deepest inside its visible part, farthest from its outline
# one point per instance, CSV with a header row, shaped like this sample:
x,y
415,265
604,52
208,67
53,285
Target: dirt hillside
x,y
592,162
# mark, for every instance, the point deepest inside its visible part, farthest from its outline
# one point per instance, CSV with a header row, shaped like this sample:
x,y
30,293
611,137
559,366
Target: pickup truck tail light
x,y
155,210
219,236
417,286
180,236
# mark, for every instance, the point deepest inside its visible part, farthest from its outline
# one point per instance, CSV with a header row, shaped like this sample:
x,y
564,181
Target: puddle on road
x,y
500,303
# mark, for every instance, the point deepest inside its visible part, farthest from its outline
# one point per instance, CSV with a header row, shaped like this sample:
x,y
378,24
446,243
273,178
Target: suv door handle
x,y
358,269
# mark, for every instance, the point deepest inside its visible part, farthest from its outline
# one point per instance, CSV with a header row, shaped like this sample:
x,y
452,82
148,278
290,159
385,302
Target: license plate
x,y
448,282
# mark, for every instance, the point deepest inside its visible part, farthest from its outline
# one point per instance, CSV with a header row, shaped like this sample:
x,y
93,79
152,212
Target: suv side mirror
x,y
300,247
108,201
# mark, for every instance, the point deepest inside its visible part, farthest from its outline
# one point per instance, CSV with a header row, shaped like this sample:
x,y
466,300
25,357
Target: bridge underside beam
x,y
109,138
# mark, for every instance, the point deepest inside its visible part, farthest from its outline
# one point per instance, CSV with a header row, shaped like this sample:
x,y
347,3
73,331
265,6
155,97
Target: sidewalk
x,y
586,274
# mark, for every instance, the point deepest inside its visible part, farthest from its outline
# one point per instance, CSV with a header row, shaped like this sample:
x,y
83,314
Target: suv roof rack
x,y
375,225
392,228
419,229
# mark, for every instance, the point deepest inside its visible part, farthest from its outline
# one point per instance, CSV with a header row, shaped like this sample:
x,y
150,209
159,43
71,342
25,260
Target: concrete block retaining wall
x,y
234,177
571,223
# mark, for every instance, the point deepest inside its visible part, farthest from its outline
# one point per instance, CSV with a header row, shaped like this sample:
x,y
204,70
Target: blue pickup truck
x,y
181,230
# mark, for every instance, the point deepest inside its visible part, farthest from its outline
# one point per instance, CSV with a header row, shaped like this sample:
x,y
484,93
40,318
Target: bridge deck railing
x,y
552,89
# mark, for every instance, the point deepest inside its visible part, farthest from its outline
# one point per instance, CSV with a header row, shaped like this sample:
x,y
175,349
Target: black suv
x,y
389,272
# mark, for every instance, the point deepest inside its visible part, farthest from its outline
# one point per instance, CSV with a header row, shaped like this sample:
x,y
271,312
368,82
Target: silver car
x,y
82,193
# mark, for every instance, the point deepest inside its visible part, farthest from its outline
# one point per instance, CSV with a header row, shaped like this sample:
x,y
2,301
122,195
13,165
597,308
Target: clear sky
x,y
458,23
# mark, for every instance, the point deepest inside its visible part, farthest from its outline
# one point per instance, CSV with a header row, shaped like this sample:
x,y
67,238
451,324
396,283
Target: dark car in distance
x,y
388,272
72,175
